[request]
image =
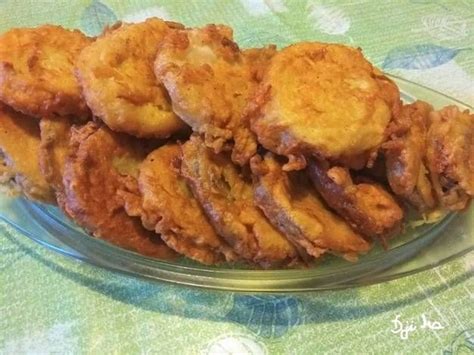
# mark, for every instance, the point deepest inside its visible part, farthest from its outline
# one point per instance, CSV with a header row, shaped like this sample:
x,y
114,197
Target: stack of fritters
x,y
166,140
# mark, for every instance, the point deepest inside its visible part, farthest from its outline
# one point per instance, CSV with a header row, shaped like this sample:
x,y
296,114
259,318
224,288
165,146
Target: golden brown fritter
x,y
367,207
101,163
227,198
405,153
19,149
210,82
36,71
54,148
293,206
450,156
116,76
325,100
166,205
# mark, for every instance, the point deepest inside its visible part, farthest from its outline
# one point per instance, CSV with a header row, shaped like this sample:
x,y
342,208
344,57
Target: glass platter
x,y
416,249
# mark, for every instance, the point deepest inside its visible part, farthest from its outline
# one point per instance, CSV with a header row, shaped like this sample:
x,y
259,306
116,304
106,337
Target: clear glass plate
x,y
415,250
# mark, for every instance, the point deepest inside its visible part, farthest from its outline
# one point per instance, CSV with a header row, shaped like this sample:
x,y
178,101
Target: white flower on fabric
x,y
235,345
445,26
263,7
329,19
142,15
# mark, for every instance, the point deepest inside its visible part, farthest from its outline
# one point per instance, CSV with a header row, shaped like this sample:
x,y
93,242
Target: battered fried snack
x,y
210,82
102,162
19,148
227,198
54,148
450,156
36,71
405,153
292,205
323,100
166,205
368,208
116,76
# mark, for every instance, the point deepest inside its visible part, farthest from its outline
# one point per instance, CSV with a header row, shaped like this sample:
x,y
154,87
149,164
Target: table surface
x,y
52,304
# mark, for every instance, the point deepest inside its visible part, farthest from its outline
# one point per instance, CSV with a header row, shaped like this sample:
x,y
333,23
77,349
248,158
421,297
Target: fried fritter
x,y
325,100
405,152
210,82
36,71
168,207
450,156
19,149
116,76
292,205
101,163
367,207
227,198
54,149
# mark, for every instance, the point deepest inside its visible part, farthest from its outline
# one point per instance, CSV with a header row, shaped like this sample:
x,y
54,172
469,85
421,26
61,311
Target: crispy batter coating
x,y
450,156
210,82
19,149
116,76
368,208
293,206
101,162
37,71
54,148
227,198
405,152
325,100
168,207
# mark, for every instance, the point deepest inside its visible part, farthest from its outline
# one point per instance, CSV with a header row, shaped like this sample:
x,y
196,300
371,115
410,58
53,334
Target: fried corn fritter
x,y
450,156
101,163
210,82
325,100
116,76
405,156
227,198
167,206
19,149
37,71
54,149
292,205
367,207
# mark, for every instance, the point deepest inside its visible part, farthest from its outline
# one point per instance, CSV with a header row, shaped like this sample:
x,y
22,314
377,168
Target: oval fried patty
x,y
100,163
227,198
210,82
292,205
322,99
37,71
19,149
368,208
167,206
116,75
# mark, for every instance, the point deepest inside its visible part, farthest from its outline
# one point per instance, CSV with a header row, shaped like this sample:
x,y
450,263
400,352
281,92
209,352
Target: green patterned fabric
x,y
52,304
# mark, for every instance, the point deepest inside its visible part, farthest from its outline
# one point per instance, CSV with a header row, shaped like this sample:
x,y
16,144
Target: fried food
x,y
166,205
19,148
405,154
102,162
54,149
450,156
293,206
367,207
36,71
323,100
116,76
210,82
227,199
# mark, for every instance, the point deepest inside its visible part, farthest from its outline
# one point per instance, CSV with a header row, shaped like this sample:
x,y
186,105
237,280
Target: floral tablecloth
x,y
51,304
